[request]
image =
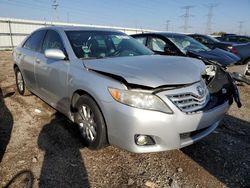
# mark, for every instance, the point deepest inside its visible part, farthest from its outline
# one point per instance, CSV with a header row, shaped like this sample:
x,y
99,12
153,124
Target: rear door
x,y
28,57
52,74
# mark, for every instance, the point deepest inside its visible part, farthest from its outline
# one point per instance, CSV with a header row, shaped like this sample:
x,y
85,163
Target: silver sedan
x,y
118,92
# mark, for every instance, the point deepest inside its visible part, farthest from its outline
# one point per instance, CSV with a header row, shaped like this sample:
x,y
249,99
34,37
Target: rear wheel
x,y
91,123
21,87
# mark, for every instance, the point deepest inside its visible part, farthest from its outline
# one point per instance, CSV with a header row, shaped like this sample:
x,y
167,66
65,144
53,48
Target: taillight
x,y
233,50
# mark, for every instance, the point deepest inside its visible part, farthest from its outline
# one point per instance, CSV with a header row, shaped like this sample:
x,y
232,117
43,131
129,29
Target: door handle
x,y
38,61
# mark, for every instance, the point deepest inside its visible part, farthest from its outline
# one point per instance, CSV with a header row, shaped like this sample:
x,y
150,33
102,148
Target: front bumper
x,y
169,131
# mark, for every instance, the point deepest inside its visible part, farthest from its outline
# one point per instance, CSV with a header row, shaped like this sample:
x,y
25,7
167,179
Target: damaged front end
x,y
215,87
209,86
221,85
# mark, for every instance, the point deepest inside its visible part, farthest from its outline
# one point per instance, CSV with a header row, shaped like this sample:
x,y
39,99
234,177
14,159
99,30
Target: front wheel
x,y
91,123
21,87
248,70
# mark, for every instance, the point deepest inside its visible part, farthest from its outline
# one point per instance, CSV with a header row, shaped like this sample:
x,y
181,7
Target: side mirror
x,y
55,54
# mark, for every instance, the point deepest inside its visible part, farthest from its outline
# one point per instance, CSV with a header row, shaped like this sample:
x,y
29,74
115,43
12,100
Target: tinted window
x,y
141,40
35,40
231,39
198,38
205,40
244,39
103,44
158,44
52,41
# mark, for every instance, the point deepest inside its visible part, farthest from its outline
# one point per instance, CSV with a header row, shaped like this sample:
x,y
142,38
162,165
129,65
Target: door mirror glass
x,y
55,54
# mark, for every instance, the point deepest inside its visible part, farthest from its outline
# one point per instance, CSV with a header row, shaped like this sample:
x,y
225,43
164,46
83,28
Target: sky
x,y
146,14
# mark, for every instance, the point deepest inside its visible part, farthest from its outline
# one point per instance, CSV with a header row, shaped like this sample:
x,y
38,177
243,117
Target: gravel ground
x,y
34,137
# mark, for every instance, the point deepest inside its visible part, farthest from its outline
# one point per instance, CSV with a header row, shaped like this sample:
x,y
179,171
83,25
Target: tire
x,y
248,71
20,84
91,123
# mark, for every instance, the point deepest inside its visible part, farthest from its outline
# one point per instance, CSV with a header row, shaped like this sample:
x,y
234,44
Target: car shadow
x,y
63,165
6,124
226,152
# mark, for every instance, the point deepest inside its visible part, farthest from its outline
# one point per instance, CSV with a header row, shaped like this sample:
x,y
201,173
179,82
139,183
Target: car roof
x,y
240,36
197,34
80,28
162,34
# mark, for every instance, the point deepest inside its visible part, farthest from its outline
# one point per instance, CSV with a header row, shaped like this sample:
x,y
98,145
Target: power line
x,y
55,5
240,27
186,17
68,17
167,25
210,17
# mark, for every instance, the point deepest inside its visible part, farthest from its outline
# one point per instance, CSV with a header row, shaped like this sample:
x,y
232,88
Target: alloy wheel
x,y
87,124
20,82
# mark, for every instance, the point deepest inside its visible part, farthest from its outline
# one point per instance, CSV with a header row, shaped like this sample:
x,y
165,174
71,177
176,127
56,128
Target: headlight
x,y
139,100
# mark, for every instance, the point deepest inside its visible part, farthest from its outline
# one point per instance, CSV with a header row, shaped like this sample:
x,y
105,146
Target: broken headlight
x,y
139,99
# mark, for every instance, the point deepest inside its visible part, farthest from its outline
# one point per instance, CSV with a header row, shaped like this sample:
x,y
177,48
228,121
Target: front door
x,y
51,74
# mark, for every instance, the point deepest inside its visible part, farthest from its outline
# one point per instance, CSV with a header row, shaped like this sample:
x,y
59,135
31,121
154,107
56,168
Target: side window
x,y
35,40
197,38
141,40
205,40
52,41
232,39
158,44
244,40
226,39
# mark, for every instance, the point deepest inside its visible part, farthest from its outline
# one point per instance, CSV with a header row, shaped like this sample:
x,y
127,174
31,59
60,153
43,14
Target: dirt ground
x,y
35,138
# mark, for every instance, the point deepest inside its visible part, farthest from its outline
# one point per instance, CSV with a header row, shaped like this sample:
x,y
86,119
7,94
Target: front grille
x,y
190,99
188,102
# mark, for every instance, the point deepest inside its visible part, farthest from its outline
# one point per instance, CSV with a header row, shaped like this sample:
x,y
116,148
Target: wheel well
x,y
15,66
247,59
74,99
76,96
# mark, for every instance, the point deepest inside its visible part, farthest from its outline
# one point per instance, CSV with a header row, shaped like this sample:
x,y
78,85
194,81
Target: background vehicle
x,y
182,45
243,51
238,39
211,42
118,93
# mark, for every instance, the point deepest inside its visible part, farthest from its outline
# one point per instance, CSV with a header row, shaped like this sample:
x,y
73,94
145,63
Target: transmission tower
x,y
209,18
240,27
167,25
186,17
55,6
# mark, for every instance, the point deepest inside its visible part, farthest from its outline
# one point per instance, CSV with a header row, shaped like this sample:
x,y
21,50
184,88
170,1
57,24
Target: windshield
x,y
186,43
103,44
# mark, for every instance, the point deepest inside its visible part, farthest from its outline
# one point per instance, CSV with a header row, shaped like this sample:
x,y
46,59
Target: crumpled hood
x,y
152,71
223,57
